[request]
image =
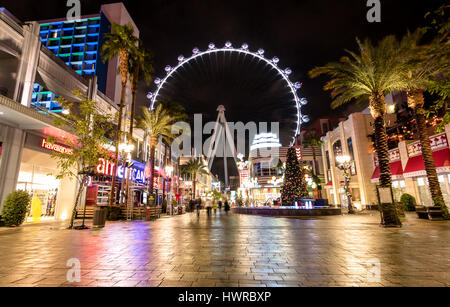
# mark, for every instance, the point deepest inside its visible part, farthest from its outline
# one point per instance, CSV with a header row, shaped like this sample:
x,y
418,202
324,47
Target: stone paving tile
x,y
230,250
127,283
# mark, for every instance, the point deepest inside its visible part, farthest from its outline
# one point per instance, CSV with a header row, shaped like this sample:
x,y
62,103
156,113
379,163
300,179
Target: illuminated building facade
x,y
408,174
78,44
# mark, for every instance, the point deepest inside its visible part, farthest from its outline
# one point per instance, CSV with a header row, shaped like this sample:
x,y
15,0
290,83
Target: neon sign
x,y
56,147
106,167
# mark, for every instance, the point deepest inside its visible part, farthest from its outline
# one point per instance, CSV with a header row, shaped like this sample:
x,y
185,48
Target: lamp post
x,y
345,164
127,149
169,170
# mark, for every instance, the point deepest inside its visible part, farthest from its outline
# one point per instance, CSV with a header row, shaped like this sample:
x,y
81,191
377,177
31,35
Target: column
x,y
410,186
66,198
29,60
13,140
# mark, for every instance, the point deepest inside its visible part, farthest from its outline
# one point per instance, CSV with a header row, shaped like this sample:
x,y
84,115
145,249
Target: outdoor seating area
x,y
433,213
138,213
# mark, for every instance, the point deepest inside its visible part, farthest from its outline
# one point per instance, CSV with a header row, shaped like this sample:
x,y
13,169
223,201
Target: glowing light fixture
x,y
265,140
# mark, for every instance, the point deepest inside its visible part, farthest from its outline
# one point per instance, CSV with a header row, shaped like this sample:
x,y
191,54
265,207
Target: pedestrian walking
x,y
208,205
227,207
220,205
198,209
215,208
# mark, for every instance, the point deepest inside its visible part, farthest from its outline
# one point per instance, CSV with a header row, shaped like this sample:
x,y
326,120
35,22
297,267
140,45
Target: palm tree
x,y
140,65
422,67
177,112
155,123
312,140
121,41
372,74
194,167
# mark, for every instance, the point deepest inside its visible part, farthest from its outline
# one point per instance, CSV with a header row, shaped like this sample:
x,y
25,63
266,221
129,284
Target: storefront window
x,y
444,182
398,189
424,193
42,185
328,159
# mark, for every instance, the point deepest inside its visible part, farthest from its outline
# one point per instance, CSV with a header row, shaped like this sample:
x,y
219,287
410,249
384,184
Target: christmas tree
x,y
294,184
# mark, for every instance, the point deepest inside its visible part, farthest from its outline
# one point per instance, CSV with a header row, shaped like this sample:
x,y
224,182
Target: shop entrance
x,y
37,176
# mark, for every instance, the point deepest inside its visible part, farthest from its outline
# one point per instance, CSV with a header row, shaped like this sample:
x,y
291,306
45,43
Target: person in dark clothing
x,y
198,206
220,205
227,207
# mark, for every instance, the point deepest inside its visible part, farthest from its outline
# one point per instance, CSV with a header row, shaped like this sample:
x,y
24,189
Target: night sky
x,y
301,33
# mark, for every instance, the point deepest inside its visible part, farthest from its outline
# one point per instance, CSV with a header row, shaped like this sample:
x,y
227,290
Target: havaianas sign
x,y
56,147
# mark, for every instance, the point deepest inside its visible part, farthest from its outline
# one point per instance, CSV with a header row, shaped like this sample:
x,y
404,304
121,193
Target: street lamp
x,y
344,164
126,149
169,170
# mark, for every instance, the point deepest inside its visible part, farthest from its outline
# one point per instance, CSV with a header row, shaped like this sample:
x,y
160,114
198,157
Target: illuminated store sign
x,y
106,167
56,147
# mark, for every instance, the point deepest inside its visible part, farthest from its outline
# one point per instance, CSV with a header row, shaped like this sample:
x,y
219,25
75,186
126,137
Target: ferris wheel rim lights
x,y
244,49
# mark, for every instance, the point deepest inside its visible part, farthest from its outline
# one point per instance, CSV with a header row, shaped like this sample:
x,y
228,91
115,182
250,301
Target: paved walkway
x,y
231,250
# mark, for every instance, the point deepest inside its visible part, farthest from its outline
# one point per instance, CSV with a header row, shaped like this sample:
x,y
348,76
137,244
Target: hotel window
x,y
421,181
324,128
350,148
337,150
352,156
327,154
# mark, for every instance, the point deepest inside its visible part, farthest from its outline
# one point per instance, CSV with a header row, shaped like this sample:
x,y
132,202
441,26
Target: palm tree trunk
x,y
112,194
382,149
194,177
130,138
314,160
378,110
319,193
170,180
415,100
153,141
123,56
77,201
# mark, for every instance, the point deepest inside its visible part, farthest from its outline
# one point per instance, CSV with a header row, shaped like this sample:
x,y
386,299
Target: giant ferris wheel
x,y
284,74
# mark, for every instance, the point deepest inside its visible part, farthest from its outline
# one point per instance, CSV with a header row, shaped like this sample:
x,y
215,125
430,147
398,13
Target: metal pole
x,y
225,164
349,199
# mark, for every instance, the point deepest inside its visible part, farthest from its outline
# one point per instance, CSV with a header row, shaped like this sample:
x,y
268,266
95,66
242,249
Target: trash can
x,y
100,216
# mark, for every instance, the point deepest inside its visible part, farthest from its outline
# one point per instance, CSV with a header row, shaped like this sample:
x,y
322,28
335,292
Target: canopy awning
x,y
396,171
415,167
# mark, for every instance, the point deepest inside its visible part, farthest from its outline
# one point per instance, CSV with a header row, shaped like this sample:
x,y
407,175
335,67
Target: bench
x,y
89,212
141,212
154,212
433,213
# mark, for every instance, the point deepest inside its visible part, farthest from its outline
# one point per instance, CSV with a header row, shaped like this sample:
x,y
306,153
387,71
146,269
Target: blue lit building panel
x,y
78,44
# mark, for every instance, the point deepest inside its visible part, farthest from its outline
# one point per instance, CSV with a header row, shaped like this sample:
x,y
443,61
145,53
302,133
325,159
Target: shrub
x,y
15,208
440,203
409,202
114,213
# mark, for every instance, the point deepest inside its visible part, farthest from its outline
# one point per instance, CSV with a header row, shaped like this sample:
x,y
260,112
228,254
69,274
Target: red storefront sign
x,y
56,147
105,167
